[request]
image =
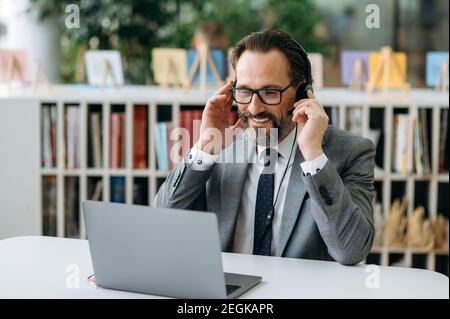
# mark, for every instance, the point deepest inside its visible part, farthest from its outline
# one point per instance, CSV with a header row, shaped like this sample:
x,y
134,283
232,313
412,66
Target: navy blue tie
x,y
264,206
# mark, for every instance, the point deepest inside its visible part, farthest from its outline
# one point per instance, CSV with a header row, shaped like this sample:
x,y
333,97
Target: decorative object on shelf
x,y
396,224
441,232
378,219
355,69
13,66
387,70
169,66
437,70
420,230
40,76
104,68
203,59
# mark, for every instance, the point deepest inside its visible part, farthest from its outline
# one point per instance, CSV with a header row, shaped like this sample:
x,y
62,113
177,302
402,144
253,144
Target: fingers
x,y
218,100
310,94
300,115
225,89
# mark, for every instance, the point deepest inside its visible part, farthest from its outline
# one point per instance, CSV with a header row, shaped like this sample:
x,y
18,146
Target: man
x,y
315,202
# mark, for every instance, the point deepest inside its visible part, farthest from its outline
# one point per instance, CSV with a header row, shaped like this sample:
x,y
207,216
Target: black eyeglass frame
x,y
281,91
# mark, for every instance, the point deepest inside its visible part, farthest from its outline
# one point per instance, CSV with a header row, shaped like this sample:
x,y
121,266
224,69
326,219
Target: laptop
x,y
158,251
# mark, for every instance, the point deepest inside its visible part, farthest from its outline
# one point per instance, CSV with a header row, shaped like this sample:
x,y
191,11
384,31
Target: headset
x,y
302,91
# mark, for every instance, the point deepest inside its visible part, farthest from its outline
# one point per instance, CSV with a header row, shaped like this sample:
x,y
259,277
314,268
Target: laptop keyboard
x,y
232,288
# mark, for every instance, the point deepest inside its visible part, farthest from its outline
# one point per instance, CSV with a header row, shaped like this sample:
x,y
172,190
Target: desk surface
x,y
41,267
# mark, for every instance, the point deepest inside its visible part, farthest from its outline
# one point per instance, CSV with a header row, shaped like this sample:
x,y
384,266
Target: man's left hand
x,y
313,121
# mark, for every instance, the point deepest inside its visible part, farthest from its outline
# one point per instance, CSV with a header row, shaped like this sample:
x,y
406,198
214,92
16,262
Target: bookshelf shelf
x,y
130,172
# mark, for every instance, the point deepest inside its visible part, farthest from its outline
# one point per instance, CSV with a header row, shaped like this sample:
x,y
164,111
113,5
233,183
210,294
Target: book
x,y
95,189
45,137
418,149
49,196
164,145
72,208
117,189
117,140
443,142
140,136
96,144
353,120
53,134
48,136
401,145
72,136
424,135
140,191
196,123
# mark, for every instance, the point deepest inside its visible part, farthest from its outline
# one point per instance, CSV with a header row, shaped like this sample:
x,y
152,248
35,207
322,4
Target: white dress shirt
x,y
243,236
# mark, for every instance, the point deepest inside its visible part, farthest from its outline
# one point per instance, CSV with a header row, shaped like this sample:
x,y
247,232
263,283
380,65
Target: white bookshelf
x,y
338,99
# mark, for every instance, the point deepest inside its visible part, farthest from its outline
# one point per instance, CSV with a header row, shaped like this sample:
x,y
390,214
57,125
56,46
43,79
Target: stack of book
x,y
48,136
72,136
411,144
166,155
117,140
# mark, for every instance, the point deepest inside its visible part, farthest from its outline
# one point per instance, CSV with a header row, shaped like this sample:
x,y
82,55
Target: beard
x,y
269,137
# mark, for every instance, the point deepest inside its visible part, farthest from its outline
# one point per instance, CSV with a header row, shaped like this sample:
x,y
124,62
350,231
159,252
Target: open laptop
x,y
158,251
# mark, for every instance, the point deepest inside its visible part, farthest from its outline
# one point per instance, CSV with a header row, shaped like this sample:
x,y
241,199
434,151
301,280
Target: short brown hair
x,y
265,41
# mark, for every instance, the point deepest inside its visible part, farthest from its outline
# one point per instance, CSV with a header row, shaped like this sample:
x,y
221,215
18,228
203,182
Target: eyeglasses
x,y
267,96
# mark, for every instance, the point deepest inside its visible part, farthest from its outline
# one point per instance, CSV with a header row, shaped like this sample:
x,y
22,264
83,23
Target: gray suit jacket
x,y
326,216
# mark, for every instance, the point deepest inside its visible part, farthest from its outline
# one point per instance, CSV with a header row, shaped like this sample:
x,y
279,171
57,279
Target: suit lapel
x,y
294,198
295,195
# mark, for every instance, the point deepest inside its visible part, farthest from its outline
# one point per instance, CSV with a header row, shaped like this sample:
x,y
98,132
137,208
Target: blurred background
x,y
134,27
83,140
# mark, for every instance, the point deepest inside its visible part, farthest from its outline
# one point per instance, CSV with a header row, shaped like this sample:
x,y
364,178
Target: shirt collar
x,y
283,148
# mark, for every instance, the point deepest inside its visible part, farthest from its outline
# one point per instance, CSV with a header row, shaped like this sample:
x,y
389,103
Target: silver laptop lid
x,y
158,251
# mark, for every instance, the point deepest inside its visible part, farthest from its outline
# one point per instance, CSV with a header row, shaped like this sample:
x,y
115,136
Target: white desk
x,y
35,267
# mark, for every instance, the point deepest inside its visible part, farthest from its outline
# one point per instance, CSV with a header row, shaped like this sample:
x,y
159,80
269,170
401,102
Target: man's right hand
x,y
215,116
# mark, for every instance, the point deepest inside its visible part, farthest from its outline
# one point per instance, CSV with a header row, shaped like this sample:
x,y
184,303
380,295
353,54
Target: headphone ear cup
x,y
300,92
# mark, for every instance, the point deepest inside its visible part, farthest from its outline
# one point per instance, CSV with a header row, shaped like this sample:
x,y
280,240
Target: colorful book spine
x,y
140,136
